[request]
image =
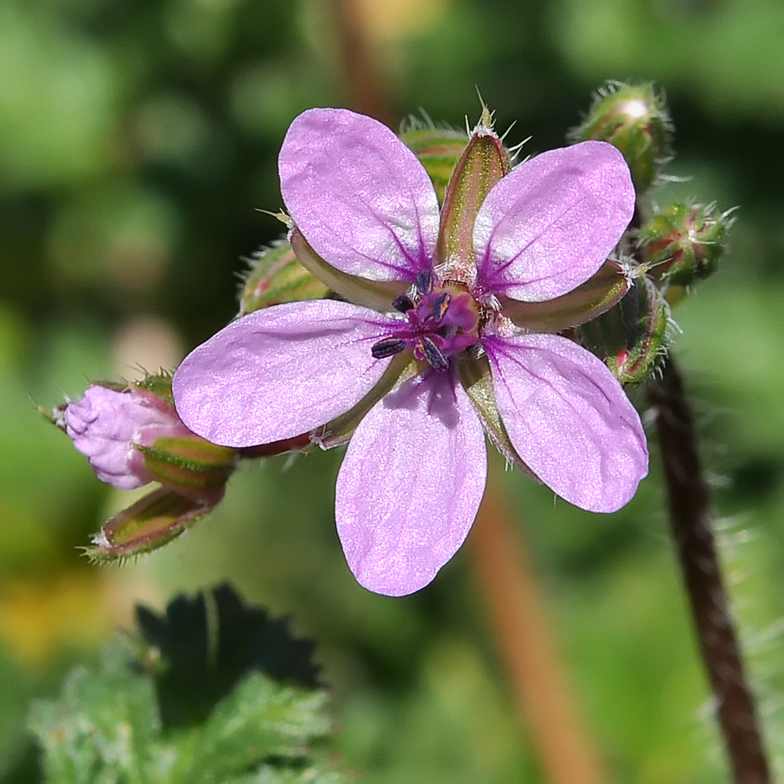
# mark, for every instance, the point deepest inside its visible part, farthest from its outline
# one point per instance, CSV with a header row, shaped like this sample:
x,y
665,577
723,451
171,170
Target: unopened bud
x,y
633,336
276,276
682,244
635,120
132,435
150,523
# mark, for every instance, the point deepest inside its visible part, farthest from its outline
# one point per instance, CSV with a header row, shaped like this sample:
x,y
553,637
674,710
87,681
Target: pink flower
x,y
394,366
107,424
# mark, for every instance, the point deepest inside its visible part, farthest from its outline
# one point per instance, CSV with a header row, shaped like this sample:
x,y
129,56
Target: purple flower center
x,y
442,321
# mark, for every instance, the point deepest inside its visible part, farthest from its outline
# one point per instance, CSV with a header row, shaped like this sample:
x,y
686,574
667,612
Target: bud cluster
x,y
132,435
666,250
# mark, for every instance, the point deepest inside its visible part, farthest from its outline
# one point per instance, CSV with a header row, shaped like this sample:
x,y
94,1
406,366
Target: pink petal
x,y
105,424
410,485
358,195
569,419
280,372
549,225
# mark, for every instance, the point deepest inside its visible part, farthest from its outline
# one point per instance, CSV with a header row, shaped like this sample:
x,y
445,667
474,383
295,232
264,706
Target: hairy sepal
x,y
596,296
376,295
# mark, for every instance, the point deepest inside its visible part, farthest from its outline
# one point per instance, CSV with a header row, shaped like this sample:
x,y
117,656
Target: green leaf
x,y
597,295
102,728
245,725
438,150
150,523
208,643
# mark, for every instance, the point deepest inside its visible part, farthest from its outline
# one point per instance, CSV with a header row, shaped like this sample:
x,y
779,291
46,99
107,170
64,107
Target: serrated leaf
x,y
208,643
258,722
102,728
106,727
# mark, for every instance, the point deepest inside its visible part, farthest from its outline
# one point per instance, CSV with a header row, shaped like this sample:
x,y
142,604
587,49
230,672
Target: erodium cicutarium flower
x,y
447,334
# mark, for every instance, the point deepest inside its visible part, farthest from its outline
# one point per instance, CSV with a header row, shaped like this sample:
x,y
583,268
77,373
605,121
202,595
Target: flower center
x,y
442,321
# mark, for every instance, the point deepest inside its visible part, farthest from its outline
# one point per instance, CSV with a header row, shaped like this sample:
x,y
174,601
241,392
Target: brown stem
x,y
526,645
692,529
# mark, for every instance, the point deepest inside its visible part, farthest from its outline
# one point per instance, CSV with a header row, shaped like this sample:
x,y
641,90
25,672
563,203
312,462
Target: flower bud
x,y
682,244
132,435
276,276
633,336
634,119
150,523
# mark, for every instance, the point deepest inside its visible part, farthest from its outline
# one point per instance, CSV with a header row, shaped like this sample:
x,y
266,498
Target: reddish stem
x,y
692,529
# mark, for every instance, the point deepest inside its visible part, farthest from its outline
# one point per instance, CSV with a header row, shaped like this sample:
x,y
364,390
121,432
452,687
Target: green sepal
x,y
633,336
150,523
377,295
438,150
597,295
634,118
477,380
189,464
483,163
157,384
276,276
401,367
682,244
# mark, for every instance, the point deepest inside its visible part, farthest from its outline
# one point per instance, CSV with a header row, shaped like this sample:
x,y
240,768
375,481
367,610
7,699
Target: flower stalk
x,y
692,529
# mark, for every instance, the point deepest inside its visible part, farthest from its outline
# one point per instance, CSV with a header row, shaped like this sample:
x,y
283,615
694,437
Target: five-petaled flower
x,y
435,304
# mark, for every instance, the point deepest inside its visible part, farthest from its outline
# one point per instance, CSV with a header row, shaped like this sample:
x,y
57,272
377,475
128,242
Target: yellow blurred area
x,y
398,18
40,617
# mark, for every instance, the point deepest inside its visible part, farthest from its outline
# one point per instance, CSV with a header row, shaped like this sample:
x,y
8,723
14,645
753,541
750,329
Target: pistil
x,y
442,321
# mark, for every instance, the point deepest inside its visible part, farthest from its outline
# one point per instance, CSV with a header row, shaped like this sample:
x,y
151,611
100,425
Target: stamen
x,y
433,354
439,306
402,303
424,281
387,347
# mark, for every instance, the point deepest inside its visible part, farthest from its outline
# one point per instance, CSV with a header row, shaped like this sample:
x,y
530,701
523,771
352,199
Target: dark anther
x,y
439,306
433,354
387,347
402,303
424,281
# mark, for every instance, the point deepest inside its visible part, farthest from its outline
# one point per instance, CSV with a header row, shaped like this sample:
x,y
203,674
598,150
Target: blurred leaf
x,y
207,644
107,725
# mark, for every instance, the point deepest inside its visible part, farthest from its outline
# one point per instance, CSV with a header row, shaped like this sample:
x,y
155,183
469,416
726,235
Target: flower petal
x,y
569,419
549,225
358,195
410,485
105,425
280,372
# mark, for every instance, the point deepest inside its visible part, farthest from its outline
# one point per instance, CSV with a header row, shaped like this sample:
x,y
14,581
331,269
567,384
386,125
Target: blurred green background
x,y
137,140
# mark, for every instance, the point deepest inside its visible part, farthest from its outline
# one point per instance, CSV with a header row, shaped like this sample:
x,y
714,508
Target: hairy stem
x,y
526,645
692,529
